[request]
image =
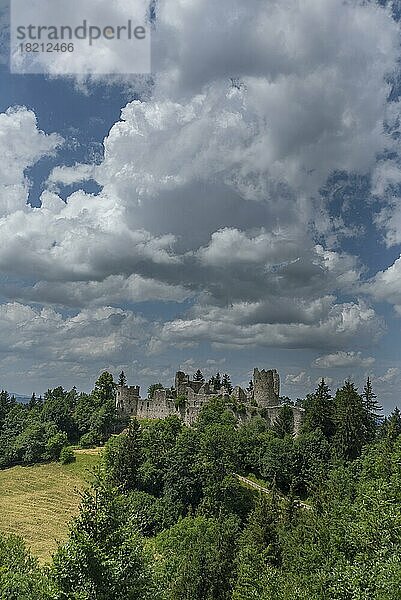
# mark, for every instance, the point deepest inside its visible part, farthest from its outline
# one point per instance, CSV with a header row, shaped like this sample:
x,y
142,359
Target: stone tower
x,y
181,383
127,400
266,387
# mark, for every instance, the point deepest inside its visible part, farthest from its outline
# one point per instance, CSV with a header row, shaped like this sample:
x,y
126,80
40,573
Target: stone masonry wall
x,y
266,387
163,404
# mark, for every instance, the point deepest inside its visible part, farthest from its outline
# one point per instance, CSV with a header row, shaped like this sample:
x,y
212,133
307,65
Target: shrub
x,y
89,440
67,455
55,444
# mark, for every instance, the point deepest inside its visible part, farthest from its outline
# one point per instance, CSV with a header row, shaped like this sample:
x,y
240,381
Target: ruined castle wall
x,y
190,415
239,394
196,386
197,400
153,409
298,414
205,389
127,400
266,395
159,396
156,409
181,382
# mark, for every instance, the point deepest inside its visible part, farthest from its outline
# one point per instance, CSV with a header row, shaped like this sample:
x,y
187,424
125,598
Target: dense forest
x,y
168,518
39,430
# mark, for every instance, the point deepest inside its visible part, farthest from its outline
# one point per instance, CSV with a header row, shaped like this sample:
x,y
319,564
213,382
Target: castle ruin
x,y
187,397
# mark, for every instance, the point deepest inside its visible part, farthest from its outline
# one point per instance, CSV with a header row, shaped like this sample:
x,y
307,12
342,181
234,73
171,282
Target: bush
x,y
20,574
89,440
55,444
67,455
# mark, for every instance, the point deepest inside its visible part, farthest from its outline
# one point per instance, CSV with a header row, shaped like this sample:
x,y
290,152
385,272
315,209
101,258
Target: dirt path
x,y
266,490
91,451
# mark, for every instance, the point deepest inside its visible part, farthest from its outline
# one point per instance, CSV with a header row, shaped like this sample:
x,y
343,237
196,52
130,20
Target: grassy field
x,y
37,502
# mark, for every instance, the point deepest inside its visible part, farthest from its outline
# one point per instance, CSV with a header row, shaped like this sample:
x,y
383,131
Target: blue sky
x,y
242,211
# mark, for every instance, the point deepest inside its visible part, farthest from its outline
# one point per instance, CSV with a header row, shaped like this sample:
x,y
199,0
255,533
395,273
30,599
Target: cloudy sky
x,y
239,208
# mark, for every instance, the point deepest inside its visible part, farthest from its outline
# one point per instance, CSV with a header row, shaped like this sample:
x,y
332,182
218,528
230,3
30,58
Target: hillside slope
x,y
37,502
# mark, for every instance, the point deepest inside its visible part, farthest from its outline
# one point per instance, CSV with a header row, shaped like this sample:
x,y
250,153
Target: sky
x,y
238,208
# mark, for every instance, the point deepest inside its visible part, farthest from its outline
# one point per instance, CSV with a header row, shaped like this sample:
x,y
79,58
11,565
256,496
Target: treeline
x,y
167,518
39,430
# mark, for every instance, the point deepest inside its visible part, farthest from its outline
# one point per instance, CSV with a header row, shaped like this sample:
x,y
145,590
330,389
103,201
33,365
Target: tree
x,y
319,411
86,407
30,445
89,440
182,481
67,455
105,420
226,383
104,557
199,558
35,402
215,412
310,462
20,575
251,436
262,526
259,550
157,442
392,425
105,388
152,388
284,423
199,376
122,380
15,422
350,422
122,457
58,407
276,461
373,410
287,401
254,577
55,444
216,381
5,405
218,460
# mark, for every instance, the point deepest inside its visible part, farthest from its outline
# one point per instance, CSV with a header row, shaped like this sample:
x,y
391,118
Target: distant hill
x,y
20,398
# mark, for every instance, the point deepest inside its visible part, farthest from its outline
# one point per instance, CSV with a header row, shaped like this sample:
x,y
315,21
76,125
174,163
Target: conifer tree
x,y
262,525
392,425
226,383
5,405
319,411
32,401
284,423
122,380
217,381
350,422
122,457
199,376
259,551
373,410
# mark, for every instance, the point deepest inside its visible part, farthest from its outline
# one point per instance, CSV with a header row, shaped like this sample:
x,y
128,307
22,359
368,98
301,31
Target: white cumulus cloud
x,y
342,359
